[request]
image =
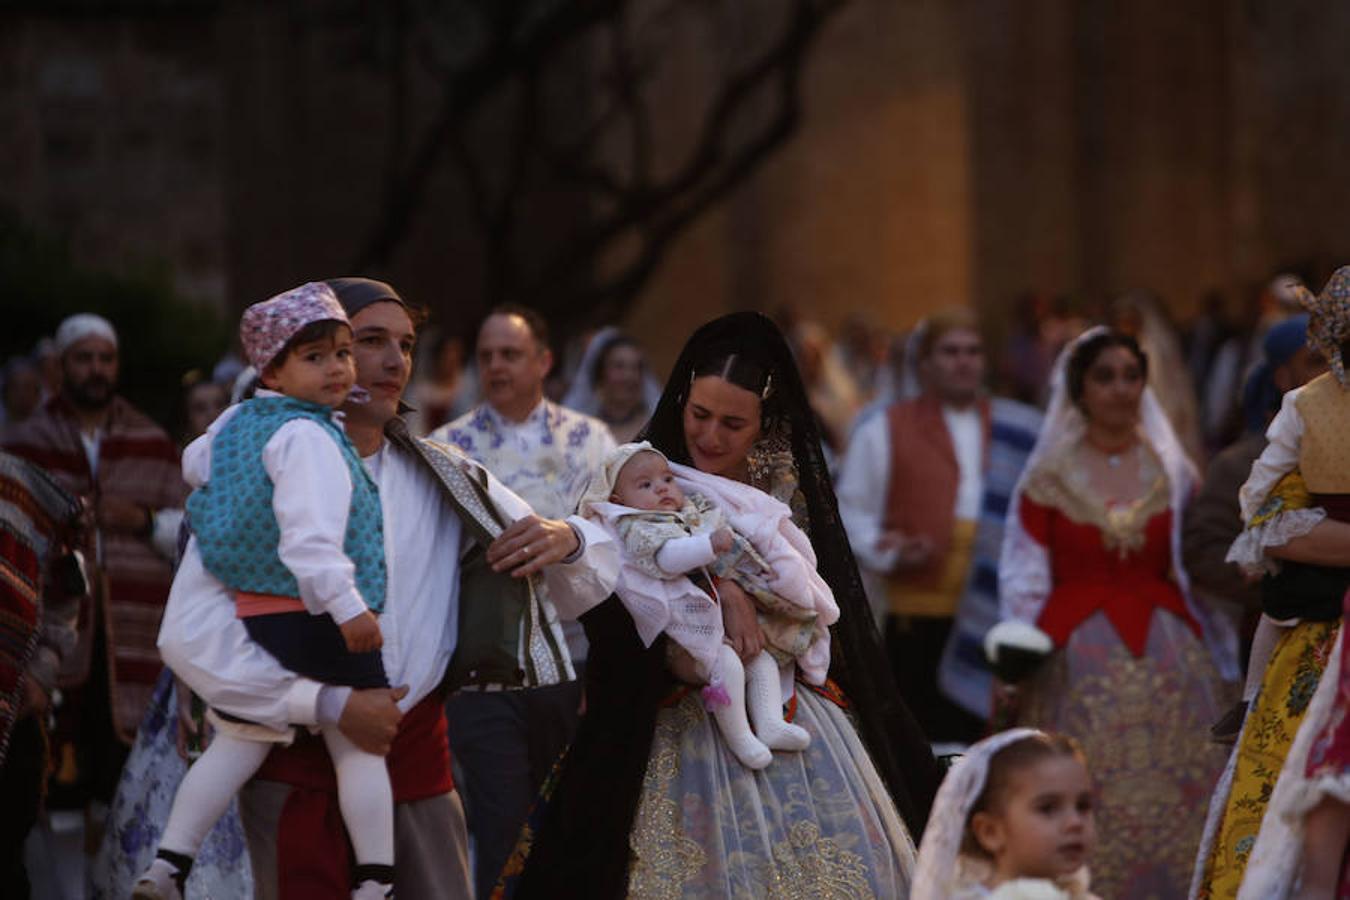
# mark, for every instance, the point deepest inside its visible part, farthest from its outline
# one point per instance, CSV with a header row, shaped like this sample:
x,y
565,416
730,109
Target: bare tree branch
x,y
662,212
469,87
495,59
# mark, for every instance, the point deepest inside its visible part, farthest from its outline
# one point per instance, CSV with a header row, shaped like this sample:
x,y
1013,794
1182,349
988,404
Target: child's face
x,y
1044,828
317,372
646,482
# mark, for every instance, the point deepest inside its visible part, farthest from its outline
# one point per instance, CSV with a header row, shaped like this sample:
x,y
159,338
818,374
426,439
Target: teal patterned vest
x,y
237,531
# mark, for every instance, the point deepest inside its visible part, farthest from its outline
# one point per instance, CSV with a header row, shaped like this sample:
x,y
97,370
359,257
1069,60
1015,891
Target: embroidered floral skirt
x,y
1144,724
1291,678
813,824
140,811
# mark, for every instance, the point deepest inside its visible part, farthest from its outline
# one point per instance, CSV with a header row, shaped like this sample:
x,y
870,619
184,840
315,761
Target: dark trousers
x,y
313,646
506,743
914,645
21,784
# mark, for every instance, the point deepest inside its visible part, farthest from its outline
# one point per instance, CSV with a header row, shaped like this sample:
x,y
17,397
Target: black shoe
x,y
1229,726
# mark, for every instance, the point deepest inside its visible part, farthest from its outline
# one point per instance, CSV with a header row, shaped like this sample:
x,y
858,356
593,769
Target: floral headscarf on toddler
x,y
266,327
1330,317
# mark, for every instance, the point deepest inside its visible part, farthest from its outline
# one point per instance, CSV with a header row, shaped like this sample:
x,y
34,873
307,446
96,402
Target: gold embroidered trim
x,y
668,863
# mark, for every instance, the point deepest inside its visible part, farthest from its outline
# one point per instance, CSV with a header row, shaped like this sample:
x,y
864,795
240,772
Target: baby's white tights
x,y
764,697
757,686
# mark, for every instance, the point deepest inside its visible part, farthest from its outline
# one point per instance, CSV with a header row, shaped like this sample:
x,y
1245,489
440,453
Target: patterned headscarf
x,y
1330,312
265,327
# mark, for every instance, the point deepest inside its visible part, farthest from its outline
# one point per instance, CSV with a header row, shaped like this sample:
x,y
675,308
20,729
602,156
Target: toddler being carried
x,y
286,516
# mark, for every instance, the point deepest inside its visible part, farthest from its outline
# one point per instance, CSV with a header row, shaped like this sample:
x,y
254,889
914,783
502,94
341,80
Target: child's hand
x,y
723,540
362,633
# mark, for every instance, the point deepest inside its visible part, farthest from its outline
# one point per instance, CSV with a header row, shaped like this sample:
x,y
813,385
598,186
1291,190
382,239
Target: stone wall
x,y
111,133
948,153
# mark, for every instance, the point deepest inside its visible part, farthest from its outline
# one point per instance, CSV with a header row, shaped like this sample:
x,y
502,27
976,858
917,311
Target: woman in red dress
x,y
1091,558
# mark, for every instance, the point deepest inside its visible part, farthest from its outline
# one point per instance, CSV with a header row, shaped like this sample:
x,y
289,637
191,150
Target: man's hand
x,y
120,514
531,543
740,622
362,633
370,718
911,552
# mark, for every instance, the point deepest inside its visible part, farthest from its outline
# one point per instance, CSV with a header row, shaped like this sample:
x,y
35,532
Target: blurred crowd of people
x,y
951,478
1202,361
1202,358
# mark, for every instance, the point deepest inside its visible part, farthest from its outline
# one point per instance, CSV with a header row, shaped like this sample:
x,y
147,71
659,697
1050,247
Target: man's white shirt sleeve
x,y
861,490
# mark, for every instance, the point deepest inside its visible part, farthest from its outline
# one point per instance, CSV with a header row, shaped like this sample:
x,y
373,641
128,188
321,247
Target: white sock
x,y
159,881
366,799
1263,646
764,697
731,718
371,890
205,793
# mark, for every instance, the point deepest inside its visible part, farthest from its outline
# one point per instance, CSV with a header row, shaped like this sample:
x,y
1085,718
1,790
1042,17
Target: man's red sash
x,y
313,853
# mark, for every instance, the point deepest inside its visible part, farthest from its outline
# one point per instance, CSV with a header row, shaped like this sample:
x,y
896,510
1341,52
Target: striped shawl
x,y
137,462
963,673
34,515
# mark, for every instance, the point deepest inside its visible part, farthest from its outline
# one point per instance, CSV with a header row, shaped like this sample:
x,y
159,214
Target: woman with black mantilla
x,y
649,800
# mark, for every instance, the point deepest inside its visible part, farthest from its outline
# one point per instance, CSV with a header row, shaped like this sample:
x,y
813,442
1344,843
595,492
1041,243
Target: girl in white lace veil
x,y
1024,565
953,865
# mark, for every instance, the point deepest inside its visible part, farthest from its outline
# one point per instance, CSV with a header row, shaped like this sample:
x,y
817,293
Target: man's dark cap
x,y
355,293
